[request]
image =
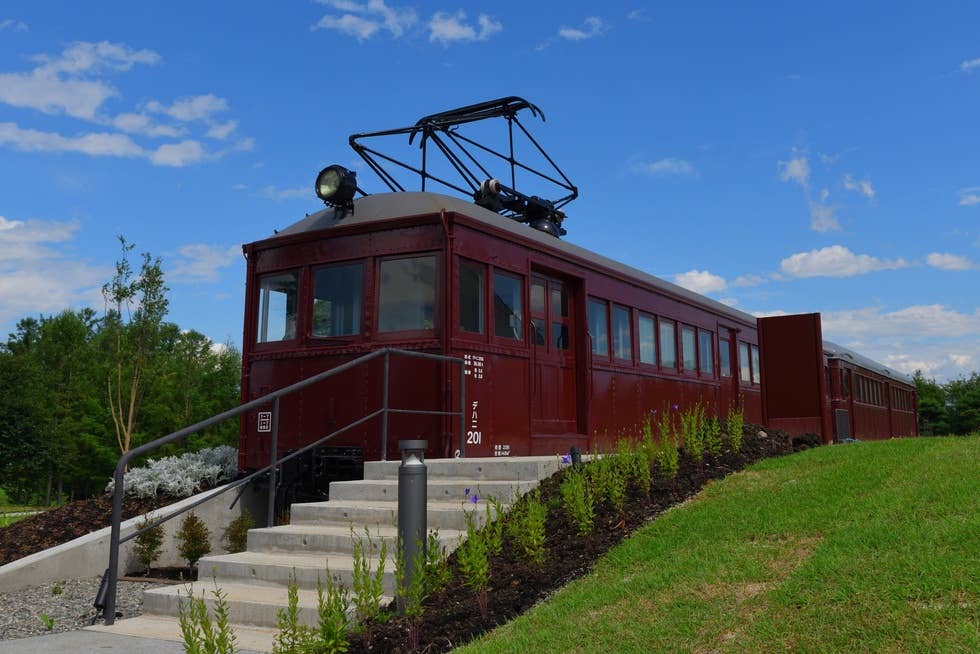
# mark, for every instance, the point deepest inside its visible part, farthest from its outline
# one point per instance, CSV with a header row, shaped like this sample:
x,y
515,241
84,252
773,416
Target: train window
x,y
845,382
538,327
668,345
745,368
559,336
471,297
724,357
408,294
648,340
277,307
622,333
756,371
337,300
598,327
559,303
537,297
688,348
508,306
705,349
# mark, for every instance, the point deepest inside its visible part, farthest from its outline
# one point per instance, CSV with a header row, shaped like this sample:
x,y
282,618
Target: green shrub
x,y
526,527
367,584
437,572
193,539
200,634
332,600
667,454
578,499
691,432
493,529
149,543
474,564
236,534
292,636
734,425
712,436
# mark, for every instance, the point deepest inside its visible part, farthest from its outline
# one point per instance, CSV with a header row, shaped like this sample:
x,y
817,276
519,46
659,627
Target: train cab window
x,y
706,362
745,368
508,306
471,302
724,357
599,327
756,371
337,300
688,348
845,382
559,319
668,344
622,333
407,294
277,307
648,340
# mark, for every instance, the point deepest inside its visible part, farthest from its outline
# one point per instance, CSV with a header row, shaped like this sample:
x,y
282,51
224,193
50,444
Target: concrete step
x,y
445,490
439,515
478,469
248,604
248,637
278,568
330,538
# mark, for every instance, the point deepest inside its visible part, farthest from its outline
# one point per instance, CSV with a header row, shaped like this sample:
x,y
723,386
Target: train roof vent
x,y
468,166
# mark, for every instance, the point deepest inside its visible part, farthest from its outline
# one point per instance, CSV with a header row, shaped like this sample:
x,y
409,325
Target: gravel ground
x,y
67,603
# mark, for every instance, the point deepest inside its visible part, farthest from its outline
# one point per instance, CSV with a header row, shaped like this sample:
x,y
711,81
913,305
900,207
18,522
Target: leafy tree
x,y
964,404
933,419
20,437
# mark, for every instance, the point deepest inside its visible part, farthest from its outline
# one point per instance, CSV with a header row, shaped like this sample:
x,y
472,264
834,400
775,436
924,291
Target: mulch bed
x,y
452,617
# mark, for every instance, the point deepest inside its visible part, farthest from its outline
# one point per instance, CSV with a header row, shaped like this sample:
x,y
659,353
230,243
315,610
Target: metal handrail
x,y
107,592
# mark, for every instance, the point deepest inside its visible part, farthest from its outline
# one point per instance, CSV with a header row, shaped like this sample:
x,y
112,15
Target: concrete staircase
x,y
320,536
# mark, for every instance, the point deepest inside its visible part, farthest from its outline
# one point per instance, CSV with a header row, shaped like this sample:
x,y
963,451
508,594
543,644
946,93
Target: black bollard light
x,y
412,517
576,456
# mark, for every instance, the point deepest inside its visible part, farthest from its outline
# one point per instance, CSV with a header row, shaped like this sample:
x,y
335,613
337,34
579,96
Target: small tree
x,y
149,543
236,534
193,539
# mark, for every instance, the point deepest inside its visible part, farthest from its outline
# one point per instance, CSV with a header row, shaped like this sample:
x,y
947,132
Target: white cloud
x,y
969,65
823,218
592,26
700,281
221,131
362,20
197,107
87,58
274,193
639,15
969,196
669,167
133,123
945,261
97,144
200,262
449,28
178,155
862,186
748,280
835,261
14,25
728,301
795,170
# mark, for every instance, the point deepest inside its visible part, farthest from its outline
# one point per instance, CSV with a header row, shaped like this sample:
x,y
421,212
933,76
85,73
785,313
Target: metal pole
x,y
412,518
384,408
273,456
109,612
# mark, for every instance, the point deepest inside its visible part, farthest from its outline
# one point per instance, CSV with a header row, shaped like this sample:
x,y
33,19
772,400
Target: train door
x,y
554,407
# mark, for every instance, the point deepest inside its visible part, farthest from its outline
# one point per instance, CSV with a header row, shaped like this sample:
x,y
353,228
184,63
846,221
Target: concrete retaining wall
x,y
88,556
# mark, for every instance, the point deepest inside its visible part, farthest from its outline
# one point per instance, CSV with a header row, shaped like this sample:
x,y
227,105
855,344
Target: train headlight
x,y
336,185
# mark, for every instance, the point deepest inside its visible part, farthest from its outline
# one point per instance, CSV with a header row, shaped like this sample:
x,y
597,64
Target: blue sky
x,y
813,158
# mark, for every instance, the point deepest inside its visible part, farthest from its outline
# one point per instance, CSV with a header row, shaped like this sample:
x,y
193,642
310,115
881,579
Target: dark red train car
x,y
815,386
563,347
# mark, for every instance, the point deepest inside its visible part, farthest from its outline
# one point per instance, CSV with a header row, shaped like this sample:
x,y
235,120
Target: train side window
x,y
745,369
337,300
724,357
706,361
277,307
471,302
756,371
668,344
408,294
688,348
622,333
845,384
648,340
508,306
598,327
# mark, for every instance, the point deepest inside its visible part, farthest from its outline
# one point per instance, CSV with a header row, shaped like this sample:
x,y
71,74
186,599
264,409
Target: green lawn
x,y
869,547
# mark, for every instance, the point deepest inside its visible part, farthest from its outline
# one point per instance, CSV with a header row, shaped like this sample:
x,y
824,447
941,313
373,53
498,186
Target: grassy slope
x,y
864,547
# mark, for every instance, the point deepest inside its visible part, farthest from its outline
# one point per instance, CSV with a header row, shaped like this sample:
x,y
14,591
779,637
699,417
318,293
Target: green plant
x,y
734,424
712,436
610,476
193,539
236,534
149,543
526,527
292,636
47,620
201,634
411,589
57,588
367,584
667,454
493,529
332,600
691,433
474,564
578,499
646,452
437,572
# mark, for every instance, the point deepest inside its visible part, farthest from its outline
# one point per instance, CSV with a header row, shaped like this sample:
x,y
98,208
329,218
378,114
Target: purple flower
x,y
473,498
676,407
566,459
466,492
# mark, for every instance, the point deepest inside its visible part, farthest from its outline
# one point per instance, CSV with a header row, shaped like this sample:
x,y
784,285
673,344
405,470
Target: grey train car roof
x,y
835,351
384,206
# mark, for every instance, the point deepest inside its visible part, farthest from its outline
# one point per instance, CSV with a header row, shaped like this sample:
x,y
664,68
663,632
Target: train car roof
x,y
386,206
835,351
